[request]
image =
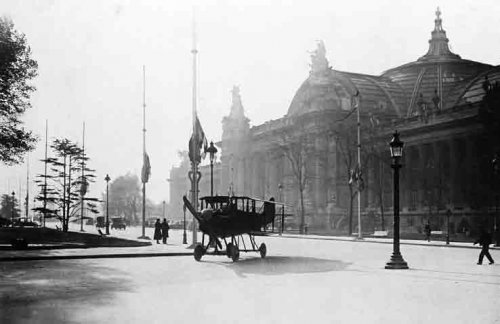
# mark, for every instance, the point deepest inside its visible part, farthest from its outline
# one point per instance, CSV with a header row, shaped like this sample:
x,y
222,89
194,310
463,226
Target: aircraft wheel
x,y
235,253
229,249
198,252
262,250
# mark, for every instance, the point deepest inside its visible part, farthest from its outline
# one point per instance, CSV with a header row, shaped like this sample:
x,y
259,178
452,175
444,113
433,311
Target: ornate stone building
x,y
438,104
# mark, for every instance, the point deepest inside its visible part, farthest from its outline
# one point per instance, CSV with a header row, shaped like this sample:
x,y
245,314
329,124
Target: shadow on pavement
x,y
42,292
279,265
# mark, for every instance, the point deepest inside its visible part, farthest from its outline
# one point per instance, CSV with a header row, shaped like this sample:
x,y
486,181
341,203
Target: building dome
x,y
437,80
439,77
326,89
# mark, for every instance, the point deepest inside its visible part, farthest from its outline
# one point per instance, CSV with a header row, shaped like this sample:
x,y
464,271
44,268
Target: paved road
x,y
300,281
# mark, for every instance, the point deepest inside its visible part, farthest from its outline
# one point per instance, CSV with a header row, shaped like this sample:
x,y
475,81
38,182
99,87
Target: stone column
x,y
420,170
240,187
370,184
266,181
454,171
253,178
405,176
260,167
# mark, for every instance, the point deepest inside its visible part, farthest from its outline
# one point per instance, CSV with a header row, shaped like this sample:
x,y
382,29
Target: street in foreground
x,y
301,280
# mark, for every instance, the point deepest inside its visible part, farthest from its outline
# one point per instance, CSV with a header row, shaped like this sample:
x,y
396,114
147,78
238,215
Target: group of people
x,y
161,231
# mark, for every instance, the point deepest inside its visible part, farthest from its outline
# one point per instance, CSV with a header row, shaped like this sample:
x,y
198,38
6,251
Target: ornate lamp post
x,y
12,209
396,146
184,236
496,170
448,214
280,189
107,203
212,150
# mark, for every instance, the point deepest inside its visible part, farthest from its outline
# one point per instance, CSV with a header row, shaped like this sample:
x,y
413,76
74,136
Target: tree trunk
x,y
350,209
68,203
64,225
381,205
302,212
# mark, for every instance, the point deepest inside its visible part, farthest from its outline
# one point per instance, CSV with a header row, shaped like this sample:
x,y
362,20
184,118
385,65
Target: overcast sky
x,y
91,53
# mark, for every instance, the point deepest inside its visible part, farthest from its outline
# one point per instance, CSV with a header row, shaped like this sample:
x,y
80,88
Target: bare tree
x,y
124,197
378,183
296,151
347,148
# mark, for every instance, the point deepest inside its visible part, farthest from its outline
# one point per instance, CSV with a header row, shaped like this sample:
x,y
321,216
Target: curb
x,y
330,238
93,256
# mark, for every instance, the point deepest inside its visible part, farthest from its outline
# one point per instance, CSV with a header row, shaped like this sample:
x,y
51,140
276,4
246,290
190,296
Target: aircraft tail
x,y
206,229
196,214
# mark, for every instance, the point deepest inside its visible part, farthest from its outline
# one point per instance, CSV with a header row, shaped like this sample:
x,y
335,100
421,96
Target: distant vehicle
x,y
177,225
4,222
25,222
226,219
118,223
150,222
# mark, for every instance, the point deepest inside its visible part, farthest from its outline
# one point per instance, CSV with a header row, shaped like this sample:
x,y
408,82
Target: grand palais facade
x,y
443,106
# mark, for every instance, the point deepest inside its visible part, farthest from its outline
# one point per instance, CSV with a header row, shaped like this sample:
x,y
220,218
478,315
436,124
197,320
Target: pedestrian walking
x,y
484,240
164,230
157,235
428,232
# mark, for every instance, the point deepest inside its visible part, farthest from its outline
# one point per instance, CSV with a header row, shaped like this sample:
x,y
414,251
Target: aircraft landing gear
x,y
198,252
233,251
229,249
262,250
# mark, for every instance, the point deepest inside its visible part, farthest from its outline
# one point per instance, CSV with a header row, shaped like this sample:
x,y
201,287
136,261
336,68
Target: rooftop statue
x,y
236,95
319,63
236,104
438,22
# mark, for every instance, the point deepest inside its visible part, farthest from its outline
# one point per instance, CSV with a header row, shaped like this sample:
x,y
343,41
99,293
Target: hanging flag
x,y
361,182
146,169
83,187
356,176
198,143
355,100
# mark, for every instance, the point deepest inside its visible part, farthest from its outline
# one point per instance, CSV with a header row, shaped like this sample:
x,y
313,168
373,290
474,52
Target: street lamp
x,y
280,189
448,214
107,203
12,209
212,150
496,166
184,236
396,146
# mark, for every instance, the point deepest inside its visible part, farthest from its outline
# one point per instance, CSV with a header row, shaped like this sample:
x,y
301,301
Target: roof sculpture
x,y
438,80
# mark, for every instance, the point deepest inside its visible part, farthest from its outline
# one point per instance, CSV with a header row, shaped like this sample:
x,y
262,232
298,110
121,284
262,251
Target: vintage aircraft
x,y
227,219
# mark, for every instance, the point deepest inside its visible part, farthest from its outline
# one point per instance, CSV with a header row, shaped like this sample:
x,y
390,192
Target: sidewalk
x,y
176,248
387,240
60,251
65,252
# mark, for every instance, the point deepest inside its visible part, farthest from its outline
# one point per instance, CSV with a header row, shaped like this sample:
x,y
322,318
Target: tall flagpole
x,y
360,235
195,146
143,152
27,185
45,175
84,183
